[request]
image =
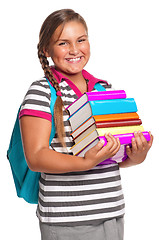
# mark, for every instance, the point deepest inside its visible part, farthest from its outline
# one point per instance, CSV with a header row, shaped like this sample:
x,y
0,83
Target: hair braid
x,y
58,107
48,28
48,73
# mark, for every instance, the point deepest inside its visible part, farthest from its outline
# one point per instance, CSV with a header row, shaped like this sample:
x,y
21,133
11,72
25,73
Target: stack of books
x,y
96,113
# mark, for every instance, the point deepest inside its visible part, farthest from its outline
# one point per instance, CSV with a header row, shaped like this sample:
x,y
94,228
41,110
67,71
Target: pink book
x,y
93,96
126,138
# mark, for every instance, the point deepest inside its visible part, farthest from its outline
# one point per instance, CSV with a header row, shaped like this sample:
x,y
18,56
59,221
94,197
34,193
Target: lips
x,y
74,60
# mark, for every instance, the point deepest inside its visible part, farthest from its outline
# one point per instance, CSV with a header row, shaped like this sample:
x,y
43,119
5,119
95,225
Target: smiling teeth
x,y
74,59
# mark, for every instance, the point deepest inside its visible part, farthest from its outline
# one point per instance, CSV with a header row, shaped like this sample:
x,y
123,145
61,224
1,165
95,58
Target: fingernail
x,y
118,139
102,141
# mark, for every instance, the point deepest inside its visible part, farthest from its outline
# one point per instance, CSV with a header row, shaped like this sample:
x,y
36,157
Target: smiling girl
x,y
78,199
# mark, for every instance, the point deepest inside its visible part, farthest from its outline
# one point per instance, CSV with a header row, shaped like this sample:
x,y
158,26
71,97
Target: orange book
x,y
115,117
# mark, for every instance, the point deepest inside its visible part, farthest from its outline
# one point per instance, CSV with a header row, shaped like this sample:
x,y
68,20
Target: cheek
x,y
86,49
60,53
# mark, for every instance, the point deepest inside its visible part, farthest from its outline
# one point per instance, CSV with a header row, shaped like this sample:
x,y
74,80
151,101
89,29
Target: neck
x,y
77,79
74,77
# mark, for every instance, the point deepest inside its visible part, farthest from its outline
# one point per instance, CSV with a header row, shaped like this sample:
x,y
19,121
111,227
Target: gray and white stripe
x,y
74,198
38,97
81,197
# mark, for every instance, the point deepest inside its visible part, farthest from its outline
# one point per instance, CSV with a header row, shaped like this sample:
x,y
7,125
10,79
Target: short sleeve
x,y
37,101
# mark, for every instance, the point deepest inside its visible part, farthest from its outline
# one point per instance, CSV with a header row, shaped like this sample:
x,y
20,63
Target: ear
x,y
46,52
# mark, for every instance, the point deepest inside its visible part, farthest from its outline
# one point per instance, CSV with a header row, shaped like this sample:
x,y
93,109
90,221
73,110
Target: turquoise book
x,y
113,106
102,107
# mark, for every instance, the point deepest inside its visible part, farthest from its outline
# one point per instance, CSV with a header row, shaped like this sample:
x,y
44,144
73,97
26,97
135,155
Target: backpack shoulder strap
x,y
52,103
99,87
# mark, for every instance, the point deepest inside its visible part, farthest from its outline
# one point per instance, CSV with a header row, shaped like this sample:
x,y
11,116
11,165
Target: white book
x,y
83,127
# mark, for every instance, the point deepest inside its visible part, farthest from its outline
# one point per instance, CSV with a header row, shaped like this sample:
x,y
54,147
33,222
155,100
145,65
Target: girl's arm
x,y
35,136
138,152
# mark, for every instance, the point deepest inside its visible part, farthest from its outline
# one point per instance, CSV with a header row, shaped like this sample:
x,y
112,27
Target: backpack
x,y
26,181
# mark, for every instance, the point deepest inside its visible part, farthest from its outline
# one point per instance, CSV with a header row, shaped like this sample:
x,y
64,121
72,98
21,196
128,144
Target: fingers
x,y
134,148
139,143
128,150
113,144
151,140
138,151
99,145
110,149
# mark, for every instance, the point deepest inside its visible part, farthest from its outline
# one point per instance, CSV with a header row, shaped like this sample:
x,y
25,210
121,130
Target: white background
x,y
124,37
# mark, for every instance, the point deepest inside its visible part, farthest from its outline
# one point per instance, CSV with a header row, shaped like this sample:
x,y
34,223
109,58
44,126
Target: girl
x,y
78,199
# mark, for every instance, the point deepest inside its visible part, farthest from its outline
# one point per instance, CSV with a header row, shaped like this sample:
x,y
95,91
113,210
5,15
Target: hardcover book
x,y
97,113
116,117
125,138
91,124
80,148
99,107
93,96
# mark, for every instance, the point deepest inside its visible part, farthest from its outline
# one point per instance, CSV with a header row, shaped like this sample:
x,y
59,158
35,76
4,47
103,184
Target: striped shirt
x,y
76,198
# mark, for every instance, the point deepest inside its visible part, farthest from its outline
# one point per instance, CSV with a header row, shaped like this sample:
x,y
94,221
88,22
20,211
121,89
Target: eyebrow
x,y
85,35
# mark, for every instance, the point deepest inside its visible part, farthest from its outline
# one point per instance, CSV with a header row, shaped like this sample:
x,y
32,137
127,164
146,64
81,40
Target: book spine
x,y
106,95
102,95
129,126
118,123
120,130
126,138
115,117
113,106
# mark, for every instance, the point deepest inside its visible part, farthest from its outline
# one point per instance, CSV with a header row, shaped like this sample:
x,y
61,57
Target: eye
x,y
62,43
82,40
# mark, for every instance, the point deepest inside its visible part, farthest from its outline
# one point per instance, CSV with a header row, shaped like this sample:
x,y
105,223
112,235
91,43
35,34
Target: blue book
x,y
113,106
102,107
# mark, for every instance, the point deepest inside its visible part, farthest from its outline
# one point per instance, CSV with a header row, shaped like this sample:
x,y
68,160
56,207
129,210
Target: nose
x,y
73,49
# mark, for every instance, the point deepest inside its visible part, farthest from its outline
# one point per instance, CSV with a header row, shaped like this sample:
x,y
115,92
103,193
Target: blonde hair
x,y
51,23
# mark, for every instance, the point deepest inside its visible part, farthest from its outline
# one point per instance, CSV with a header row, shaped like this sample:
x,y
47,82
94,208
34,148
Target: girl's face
x,y
69,50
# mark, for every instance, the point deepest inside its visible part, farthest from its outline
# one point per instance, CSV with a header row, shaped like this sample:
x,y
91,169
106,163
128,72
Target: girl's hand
x,y
99,153
137,153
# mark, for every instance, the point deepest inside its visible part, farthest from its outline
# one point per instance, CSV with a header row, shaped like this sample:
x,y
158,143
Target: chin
x,y
74,70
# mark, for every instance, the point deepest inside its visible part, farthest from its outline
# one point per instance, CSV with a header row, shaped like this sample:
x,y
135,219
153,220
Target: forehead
x,y
72,29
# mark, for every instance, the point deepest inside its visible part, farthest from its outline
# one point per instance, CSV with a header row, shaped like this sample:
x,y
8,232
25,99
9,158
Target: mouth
x,y
74,60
